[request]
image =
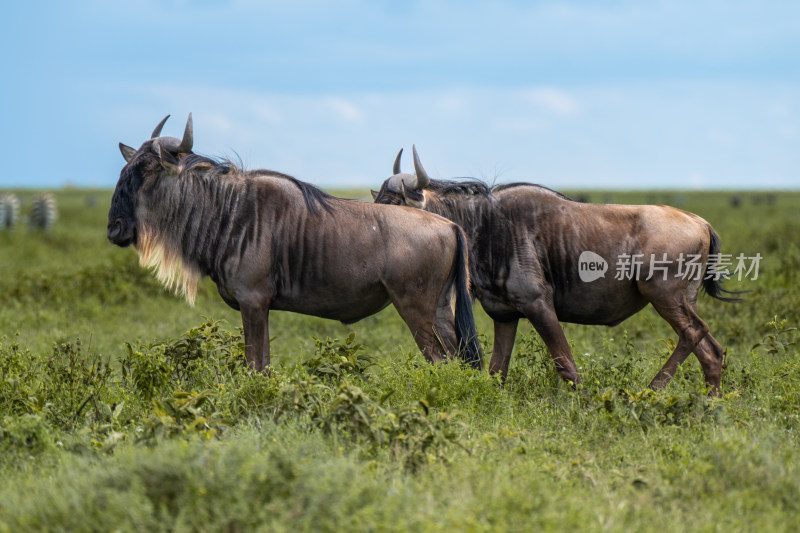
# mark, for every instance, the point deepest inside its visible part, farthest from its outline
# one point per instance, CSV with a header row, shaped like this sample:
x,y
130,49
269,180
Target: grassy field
x,y
122,408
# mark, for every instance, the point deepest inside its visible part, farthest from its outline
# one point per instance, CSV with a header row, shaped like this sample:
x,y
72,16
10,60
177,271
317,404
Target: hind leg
x,y
423,302
690,329
446,323
427,336
693,335
710,354
679,355
421,319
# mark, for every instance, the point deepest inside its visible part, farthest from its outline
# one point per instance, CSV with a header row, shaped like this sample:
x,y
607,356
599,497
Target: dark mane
x,y
473,187
314,197
470,187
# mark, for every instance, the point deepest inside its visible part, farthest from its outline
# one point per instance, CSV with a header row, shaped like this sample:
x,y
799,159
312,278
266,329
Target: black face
x,y
387,195
122,215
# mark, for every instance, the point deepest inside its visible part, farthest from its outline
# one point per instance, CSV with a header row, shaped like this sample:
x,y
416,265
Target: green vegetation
x,y
122,408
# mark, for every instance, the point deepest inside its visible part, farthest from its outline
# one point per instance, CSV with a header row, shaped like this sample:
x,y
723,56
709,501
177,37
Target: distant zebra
x,y
9,210
43,211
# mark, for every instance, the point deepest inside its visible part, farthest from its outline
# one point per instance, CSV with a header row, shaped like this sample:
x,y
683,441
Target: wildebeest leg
x,y
422,324
543,317
255,321
445,324
504,335
709,352
679,355
429,339
421,315
681,314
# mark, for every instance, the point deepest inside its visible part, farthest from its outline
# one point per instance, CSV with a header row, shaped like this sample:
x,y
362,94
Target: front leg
x,y
255,321
504,335
543,317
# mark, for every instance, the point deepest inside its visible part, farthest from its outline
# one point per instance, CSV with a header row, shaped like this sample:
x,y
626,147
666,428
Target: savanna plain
x,y
124,409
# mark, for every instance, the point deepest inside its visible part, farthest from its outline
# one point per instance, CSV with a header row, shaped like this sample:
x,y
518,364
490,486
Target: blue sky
x,y
569,94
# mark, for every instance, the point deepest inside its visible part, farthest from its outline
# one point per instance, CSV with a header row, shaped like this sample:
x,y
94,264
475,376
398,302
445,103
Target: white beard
x,y
168,266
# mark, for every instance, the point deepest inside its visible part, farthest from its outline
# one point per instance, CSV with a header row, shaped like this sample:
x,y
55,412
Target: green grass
x,y
121,408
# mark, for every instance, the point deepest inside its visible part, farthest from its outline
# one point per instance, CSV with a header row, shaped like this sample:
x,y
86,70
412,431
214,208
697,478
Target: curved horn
x,y
396,168
422,177
188,138
157,131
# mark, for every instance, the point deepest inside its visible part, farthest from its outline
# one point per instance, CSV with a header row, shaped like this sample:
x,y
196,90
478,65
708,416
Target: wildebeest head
x,y
159,157
402,188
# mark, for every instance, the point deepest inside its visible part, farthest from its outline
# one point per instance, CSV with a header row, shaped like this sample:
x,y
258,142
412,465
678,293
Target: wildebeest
x,y
270,241
526,244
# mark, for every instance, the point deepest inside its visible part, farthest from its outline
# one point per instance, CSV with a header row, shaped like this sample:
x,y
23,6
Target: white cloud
x,y
453,103
344,109
267,112
517,124
554,100
220,122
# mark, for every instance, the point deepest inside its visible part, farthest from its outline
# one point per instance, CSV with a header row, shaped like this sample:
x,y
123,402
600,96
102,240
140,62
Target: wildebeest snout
x,y
120,232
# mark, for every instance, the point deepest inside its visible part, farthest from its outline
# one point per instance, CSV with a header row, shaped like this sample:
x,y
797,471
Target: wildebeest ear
x,y
127,152
374,194
168,160
413,202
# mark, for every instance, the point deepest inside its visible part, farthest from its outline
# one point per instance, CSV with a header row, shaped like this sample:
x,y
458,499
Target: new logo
x,y
591,266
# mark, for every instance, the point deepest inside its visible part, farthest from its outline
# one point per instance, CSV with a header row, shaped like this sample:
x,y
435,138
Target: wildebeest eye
x,y
389,198
414,195
395,199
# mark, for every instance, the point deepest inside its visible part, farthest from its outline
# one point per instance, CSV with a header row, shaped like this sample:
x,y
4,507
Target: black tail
x,y
713,287
466,332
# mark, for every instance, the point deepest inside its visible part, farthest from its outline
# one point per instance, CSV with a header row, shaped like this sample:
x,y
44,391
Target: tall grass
x,y
123,409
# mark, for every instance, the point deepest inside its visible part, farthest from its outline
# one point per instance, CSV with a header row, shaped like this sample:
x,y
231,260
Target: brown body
x,y
336,264
525,245
272,242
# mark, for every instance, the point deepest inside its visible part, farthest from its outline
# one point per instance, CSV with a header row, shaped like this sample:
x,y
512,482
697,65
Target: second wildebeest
x,y
270,241
526,242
